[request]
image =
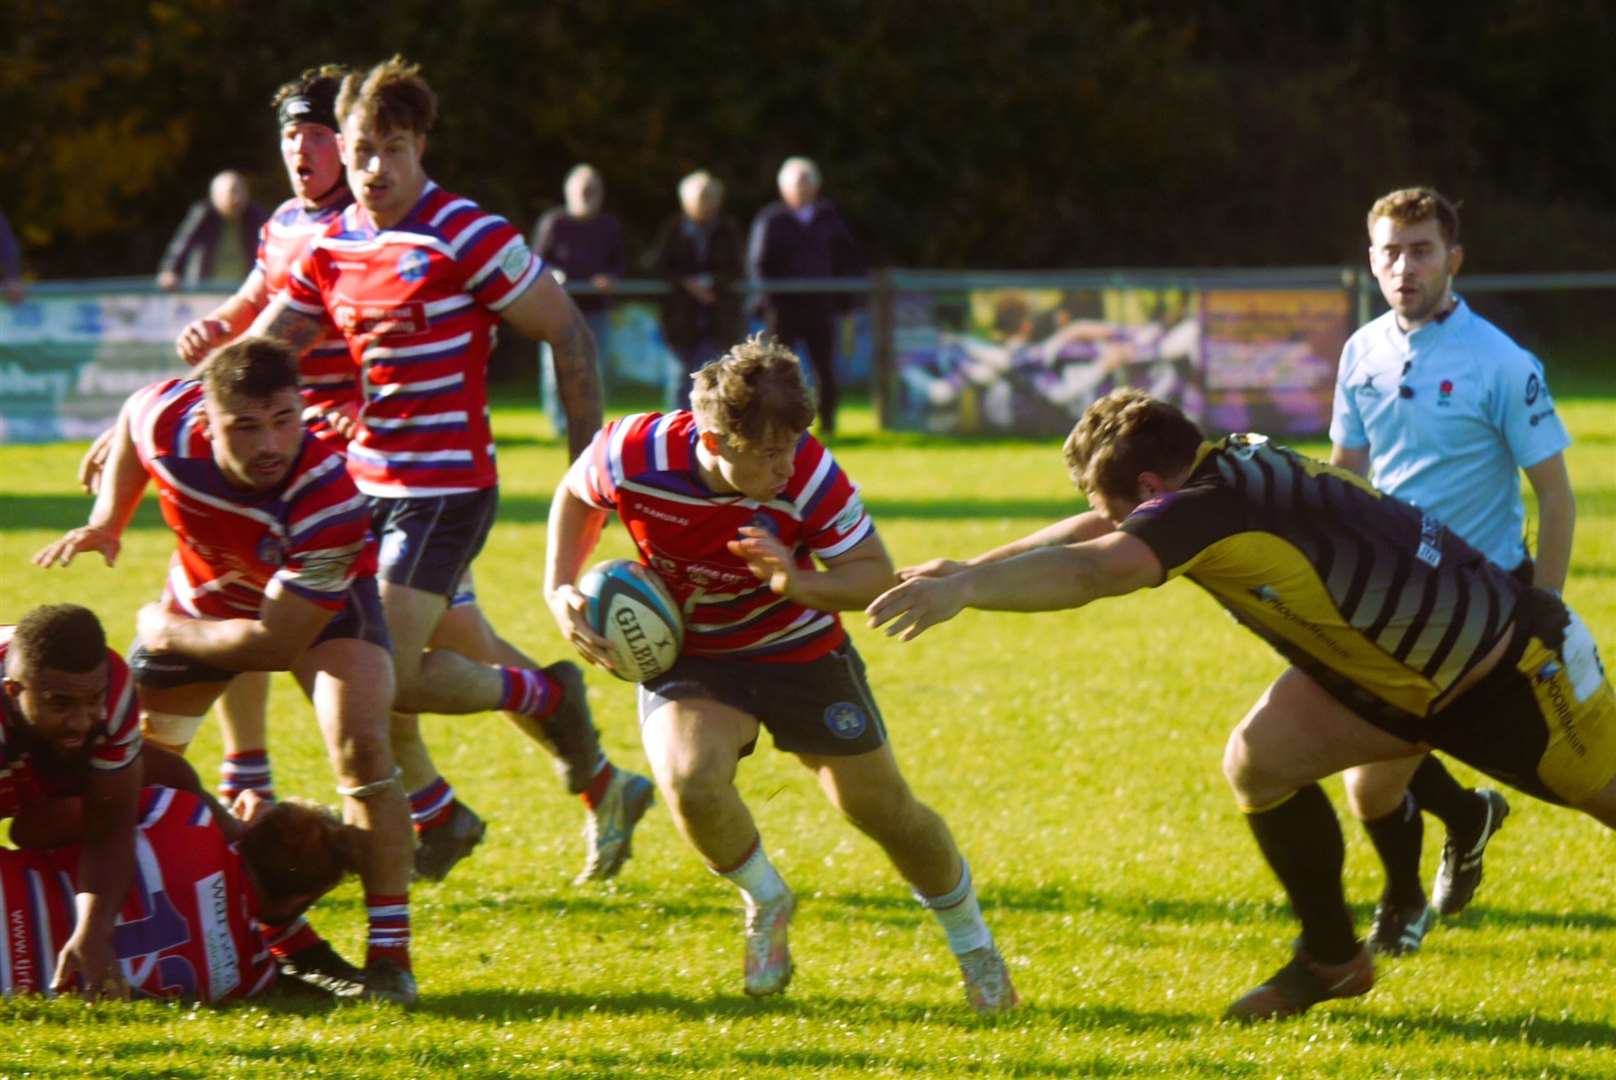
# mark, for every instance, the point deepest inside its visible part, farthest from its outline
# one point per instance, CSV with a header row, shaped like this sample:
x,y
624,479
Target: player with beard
x,y
274,571
68,725
417,280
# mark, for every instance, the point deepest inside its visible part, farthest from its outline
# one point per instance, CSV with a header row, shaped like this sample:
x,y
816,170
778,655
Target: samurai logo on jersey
x,y
413,265
846,720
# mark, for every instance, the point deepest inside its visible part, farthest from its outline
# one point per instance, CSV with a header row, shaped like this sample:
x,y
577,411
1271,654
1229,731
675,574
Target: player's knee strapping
x,y
169,729
375,787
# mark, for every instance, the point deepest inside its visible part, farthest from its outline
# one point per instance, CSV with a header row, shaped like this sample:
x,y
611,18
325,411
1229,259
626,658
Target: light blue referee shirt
x,y
1449,414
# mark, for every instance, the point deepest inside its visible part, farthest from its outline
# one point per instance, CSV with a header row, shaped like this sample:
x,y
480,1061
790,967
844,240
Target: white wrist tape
x,y
375,787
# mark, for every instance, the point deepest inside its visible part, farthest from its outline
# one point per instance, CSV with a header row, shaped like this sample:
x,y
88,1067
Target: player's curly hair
x,y
753,393
1125,433
251,367
1410,206
392,96
299,848
319,83
63,637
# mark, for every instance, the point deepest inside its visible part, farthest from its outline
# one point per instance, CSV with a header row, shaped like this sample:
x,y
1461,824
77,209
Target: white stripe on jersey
x,y
659,442
448,208
221,504
426,420
125,702
850,541
819,620
447,345
417,387
474,231
159,806
495,260
46,958
310,476
614,450
434,308
367,453
813,484
677,497
381,240
303,526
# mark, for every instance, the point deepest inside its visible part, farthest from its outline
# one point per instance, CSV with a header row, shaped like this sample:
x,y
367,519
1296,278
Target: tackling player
x,y
1446,411
274,571
1401,637
730,504
416,280
197,920
69,726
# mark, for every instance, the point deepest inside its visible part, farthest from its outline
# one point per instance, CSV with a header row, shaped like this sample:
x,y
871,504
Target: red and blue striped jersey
x,y
325,373
117,740
644,467
419,304
311,532
187,929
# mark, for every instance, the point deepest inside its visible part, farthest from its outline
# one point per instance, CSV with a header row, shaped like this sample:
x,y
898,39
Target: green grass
x,y
1076,756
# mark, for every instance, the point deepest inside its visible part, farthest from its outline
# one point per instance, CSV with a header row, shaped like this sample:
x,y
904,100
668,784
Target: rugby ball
x,y
630,607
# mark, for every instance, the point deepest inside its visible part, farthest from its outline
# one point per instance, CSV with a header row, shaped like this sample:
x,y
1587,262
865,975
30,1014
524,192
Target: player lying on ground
x,y
200,915
273,571
1402,638
730,504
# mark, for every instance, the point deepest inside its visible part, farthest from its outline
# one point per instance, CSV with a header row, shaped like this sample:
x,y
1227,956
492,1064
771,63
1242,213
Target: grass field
x,y
1076,756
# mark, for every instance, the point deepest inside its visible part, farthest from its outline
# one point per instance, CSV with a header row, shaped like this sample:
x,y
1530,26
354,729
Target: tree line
x,y
1003,134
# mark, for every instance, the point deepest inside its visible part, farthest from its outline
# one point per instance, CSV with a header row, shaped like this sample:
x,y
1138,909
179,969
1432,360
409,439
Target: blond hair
x,y
392,96
753,393
1410,206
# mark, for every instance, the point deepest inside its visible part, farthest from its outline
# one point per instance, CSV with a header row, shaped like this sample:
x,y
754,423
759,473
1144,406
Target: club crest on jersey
x,y
764,522
1444,393
846,720
270,551
413,265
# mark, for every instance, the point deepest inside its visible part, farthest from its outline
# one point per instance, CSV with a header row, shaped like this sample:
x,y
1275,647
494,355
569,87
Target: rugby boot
x,y
609,827
444,846
1399,930
1302,984
387,980
570,729
321,966
1460,872
987,981
768,953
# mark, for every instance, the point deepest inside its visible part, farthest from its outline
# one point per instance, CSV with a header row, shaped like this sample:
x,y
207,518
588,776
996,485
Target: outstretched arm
x,y
286,626
1047,579
122,483
1089,525
848,581
280,320
546,312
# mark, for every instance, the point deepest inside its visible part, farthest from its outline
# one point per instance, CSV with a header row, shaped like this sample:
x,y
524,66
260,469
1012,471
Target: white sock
x,y
960,915
756,877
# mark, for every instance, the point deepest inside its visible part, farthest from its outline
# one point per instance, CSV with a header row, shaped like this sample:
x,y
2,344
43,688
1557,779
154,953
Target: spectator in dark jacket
x,y
804,236
580,243
699,253
218,240
11,285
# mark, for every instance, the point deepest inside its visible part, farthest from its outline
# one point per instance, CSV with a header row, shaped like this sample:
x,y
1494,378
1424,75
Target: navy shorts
x,y
821,706
429,543
361,618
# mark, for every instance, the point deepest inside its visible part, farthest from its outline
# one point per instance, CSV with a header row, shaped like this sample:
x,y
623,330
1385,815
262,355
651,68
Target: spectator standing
x,y
804,236
698,252
218,238
11,286
582,243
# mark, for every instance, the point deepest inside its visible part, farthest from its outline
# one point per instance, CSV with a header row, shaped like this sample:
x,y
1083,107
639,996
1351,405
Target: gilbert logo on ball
x,y
631,608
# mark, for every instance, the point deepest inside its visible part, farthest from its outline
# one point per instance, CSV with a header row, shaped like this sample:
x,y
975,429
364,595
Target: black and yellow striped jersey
x,y
1379,601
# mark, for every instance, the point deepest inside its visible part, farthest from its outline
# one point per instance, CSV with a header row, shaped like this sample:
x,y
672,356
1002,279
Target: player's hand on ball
x,y
75,542
767,558
916,605
571,610
95,460
931,569
199,338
